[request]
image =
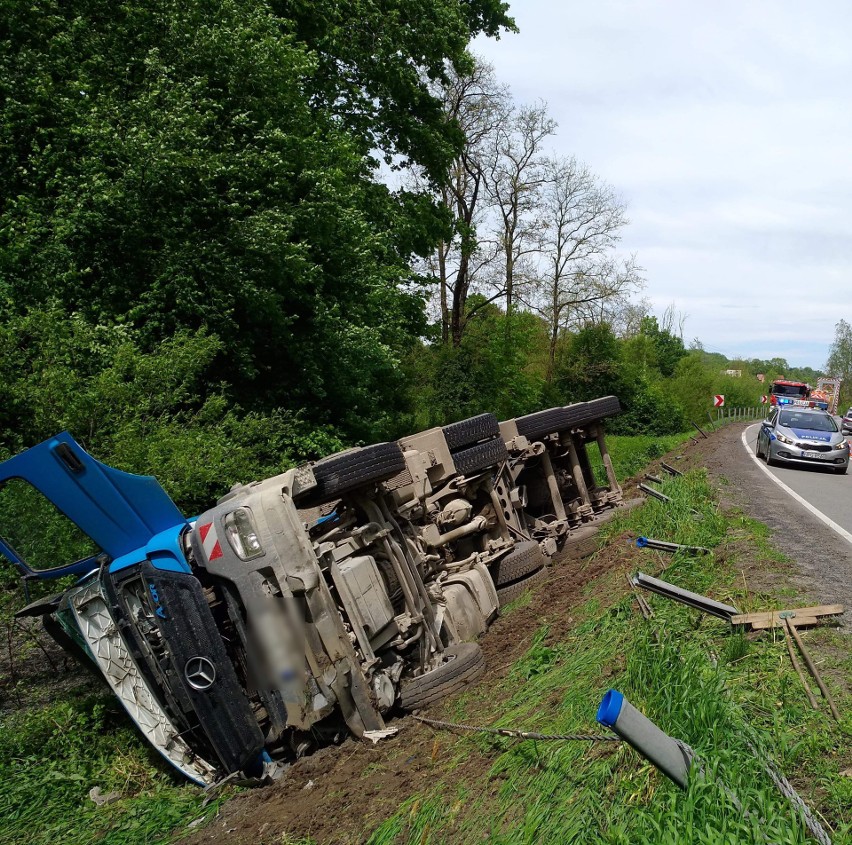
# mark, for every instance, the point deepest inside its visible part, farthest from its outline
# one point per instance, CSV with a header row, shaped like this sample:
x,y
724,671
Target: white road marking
x,y
804,502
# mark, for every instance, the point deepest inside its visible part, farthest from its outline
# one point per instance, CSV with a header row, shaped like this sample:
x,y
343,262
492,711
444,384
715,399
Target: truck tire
x,y
536,425
480,457
518,588
584,413
522,561
472,430
347,471
464,663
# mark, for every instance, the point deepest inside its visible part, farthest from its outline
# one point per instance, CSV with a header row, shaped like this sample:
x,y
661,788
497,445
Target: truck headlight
x,y
242,534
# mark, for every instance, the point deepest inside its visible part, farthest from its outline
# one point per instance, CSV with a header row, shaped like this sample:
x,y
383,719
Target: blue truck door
x,y
123,514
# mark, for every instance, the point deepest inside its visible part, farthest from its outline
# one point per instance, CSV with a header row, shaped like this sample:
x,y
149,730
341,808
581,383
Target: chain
x,y
451,726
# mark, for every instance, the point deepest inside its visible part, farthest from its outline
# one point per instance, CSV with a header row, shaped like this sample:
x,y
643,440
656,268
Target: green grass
x,y
689,673
49,760
631,454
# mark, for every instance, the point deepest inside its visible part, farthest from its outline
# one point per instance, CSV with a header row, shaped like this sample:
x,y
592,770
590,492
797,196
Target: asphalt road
x,y
829,493
817,543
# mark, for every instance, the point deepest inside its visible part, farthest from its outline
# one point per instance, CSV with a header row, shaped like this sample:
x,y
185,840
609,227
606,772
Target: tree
x,y
839,362
693,385
515,180
581,220
478,105
153,411
212,164
482,373
669,347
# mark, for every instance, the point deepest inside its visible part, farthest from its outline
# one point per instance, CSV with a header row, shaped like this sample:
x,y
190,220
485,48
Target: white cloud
x,y
726,127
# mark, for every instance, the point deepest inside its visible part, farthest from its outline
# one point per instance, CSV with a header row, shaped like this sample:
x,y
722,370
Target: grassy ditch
x,y
700,682
61,735
631,454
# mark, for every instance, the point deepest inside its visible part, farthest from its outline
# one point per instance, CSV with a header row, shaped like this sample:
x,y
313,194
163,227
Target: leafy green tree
x,y
590,364
693,385
669,347
595,363
499,366
153,412
211,163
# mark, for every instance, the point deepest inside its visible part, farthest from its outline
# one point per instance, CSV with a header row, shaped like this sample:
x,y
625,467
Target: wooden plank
x,y
801,622
770,618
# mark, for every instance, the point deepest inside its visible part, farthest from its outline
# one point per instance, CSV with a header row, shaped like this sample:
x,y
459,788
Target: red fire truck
x,y
783,392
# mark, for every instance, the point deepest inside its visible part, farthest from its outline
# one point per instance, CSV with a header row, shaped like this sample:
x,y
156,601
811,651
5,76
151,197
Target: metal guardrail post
x,y
666,753
687,597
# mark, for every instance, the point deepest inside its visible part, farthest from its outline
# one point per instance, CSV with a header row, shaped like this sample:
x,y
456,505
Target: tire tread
x,y
467,666
470,431
480,457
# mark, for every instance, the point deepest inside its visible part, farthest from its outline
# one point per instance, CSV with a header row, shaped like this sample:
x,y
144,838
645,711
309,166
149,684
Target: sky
x,y
726,128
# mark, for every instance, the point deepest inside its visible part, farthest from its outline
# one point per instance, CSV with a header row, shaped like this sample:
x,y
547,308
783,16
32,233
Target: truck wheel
x,y
463,664
480,457
347,471
522,561
518,588
470,431
536,425
584,413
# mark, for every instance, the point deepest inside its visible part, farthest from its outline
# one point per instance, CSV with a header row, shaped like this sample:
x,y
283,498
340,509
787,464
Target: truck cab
x,y
295,608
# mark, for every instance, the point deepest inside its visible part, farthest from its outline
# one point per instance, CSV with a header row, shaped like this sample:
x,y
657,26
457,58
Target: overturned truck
x,y
313,603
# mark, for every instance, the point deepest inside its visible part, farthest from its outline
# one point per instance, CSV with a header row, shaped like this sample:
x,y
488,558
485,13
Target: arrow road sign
x,y
719,400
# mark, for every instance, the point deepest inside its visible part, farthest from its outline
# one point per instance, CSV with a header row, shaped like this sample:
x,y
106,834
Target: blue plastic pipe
x,y
617,713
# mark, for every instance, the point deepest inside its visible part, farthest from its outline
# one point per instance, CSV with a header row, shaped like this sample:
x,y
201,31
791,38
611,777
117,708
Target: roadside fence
x,y
732,412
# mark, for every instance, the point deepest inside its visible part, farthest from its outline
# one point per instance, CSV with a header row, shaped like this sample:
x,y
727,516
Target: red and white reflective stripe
x,y
209,541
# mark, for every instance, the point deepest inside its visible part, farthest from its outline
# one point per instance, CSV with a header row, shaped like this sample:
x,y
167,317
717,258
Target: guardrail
x,y
742,412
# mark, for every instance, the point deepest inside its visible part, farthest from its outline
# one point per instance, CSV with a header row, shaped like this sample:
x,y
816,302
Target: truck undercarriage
x,y
319,601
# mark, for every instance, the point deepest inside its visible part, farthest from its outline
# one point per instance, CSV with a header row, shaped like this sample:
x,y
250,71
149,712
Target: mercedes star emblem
x,y
200,673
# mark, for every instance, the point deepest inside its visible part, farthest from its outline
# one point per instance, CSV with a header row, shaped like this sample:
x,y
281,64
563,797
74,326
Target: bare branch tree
x,y
673,321
479,105
581,221
623,314
515,180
